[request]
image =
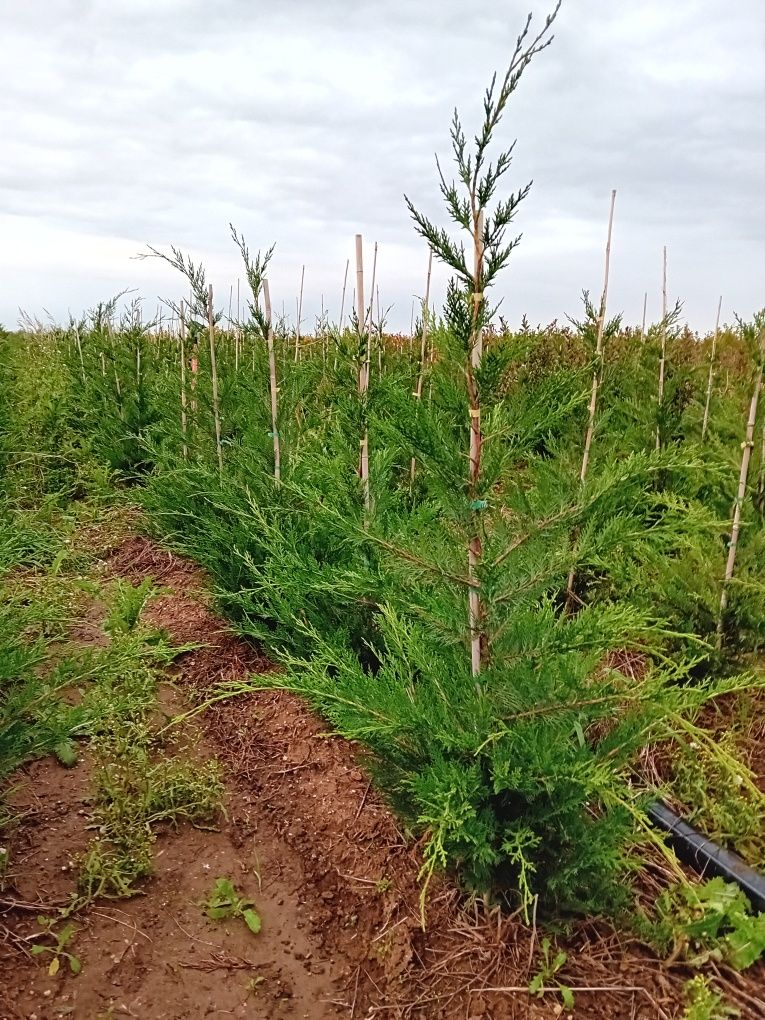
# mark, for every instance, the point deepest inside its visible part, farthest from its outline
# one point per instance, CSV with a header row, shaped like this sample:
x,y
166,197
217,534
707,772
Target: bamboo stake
x,y
299,315
342,312
423,346
368,323
380,335
597,373
645,308
79,351
705,423
363,370
231,326
359,296
110,331
475,609
214,375
238,336
194,373
342,302
184,423
662,363
746,455
273,385
324,335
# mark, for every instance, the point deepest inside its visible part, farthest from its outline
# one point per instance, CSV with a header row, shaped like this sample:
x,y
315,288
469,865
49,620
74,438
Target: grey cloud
x,y
306,122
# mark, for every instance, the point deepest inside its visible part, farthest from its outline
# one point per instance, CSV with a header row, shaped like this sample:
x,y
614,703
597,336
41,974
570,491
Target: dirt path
x,y
333,878
157,955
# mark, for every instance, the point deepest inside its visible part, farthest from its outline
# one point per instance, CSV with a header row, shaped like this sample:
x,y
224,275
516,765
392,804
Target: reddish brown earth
x,y
334,879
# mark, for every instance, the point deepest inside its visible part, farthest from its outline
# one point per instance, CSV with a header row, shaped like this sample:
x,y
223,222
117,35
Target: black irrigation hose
x,y
707,857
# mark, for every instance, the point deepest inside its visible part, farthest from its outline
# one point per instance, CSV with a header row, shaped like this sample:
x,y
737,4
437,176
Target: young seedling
x,y
224,902
128,603
704,1002
58,951
550,964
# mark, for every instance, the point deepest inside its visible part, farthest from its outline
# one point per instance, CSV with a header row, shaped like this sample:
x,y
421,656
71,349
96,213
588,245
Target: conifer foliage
x,y
423,605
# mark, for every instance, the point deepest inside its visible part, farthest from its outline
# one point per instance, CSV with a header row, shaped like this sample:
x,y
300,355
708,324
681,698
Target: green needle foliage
x,y
508,726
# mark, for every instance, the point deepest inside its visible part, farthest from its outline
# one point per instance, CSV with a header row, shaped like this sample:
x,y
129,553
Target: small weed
x,y
722,799
545,976
704,1003
128,602
225,902
137,790
58,950
709,922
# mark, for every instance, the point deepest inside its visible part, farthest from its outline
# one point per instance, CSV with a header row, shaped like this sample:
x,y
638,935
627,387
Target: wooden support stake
x,y
273,384
746,455
184,424
475,608
299,315
423,346
663,361
597,374
363,376
214,376
705,423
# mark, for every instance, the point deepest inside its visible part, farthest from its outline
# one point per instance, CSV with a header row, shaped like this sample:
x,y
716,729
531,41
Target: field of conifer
x,y
514,578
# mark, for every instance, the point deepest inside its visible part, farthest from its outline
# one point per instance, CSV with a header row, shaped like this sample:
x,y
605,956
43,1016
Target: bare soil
x,y
334,879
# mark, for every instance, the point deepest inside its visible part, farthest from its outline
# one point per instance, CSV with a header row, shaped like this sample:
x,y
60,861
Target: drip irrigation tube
x,y
707,857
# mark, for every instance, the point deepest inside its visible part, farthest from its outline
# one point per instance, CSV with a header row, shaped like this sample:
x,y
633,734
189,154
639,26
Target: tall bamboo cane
x,y
475,608
705,423
423,347
299,315
597,373
663,361
184,424
746,455
214,376
273,384
363,376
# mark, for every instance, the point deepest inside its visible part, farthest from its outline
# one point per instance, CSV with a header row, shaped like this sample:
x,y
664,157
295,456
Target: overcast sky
x,y
132,122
